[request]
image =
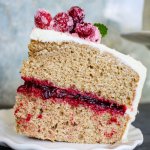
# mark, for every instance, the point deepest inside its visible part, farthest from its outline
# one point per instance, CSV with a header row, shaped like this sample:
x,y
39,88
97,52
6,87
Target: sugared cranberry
x,y
84,30
42,19
62,22
77,14
88,32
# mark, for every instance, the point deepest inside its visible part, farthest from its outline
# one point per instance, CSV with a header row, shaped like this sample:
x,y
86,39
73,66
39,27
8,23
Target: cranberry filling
x,y
47,90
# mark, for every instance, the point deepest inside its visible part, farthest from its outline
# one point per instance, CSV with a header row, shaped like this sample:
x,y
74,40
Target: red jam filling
x,y
47,90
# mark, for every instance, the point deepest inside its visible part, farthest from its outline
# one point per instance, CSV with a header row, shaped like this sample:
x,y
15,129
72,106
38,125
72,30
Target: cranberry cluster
x,y
71,22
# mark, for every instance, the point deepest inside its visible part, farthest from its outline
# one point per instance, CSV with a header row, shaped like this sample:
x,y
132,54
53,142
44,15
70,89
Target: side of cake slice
x,y
76,90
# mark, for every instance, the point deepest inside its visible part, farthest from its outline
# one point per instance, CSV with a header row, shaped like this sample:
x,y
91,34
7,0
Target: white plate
x,y
9,137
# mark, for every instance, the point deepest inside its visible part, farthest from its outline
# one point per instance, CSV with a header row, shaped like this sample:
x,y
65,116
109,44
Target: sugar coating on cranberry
x,y
42,19
84,30
62,22
88,32
77,14
96,37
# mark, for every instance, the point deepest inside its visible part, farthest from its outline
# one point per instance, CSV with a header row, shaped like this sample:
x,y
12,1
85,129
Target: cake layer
x,y
69,64
59,121
46,90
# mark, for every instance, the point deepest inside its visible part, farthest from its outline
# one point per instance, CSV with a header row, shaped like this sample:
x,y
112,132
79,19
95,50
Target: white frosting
x,y
53,36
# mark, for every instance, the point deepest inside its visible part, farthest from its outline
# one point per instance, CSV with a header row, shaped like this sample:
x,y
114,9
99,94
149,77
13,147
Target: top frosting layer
x,y
54,36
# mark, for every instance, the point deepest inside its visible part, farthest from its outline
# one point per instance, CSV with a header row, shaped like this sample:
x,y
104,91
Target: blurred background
x,y
16,23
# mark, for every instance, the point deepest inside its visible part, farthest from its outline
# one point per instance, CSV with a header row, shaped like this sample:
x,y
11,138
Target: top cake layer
x,y
54,36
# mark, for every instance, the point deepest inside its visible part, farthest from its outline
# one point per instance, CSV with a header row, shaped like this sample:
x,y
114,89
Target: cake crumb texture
x,y
46,120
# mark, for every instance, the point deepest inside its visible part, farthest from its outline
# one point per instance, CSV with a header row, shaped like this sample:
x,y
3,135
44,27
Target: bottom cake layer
x,y
59,121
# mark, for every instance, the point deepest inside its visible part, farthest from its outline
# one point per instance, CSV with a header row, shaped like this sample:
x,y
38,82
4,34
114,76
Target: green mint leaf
x,y
102,28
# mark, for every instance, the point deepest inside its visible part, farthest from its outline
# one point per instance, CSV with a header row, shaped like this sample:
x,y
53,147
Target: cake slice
x,y
75,89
